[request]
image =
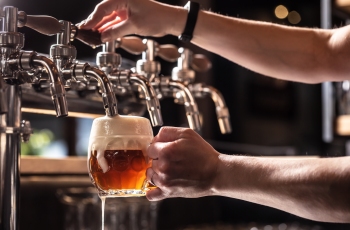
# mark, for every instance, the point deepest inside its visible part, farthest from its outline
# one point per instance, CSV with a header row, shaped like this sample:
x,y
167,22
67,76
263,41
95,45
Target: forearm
x,y
284,52
317,189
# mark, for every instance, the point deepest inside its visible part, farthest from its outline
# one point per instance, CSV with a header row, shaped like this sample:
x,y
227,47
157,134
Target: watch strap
x,y
193,10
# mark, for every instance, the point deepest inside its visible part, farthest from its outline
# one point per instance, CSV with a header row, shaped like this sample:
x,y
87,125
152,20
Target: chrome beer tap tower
x,y
22,68
108,77
165,86
17,68
185,74
64,56
180,85
125,81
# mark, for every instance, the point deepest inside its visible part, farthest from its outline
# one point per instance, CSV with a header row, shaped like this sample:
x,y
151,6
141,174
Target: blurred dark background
x,y
265,112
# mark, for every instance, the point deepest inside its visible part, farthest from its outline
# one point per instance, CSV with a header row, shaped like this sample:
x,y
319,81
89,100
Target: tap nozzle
x,y
152,101
221,109
29,60
84,70
192,112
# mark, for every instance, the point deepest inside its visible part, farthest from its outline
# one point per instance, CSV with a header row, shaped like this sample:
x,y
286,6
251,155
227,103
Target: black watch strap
x,y
193,9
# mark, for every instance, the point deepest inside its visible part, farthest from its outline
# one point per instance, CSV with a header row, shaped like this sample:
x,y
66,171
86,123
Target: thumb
x,y
168,134
155,194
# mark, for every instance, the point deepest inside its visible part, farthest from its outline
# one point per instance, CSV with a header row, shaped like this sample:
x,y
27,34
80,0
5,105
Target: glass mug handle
x,y
149,184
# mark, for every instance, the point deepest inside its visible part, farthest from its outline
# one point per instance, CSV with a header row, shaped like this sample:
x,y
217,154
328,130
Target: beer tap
x,y
184,72
165,86
64,54
125,80
27,61
17,68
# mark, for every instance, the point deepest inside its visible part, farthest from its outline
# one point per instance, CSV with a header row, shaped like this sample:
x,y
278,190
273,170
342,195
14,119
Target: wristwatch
x,y
193,9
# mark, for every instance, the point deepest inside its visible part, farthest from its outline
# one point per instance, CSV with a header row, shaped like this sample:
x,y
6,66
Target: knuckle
x,y
165,168
168,151
148,172
187,132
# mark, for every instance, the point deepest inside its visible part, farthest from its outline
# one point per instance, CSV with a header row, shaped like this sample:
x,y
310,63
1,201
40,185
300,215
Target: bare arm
x,y
284,52
187,166
316,189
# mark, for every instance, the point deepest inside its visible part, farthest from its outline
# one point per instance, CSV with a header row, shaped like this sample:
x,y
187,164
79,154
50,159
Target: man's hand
x,y
117,18
184,164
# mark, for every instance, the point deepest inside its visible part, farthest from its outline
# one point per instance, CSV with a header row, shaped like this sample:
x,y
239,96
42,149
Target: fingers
x,y
117,31
159,150
109,24
103,9
166,142
111,20
152,176
105,20
154,194
168,134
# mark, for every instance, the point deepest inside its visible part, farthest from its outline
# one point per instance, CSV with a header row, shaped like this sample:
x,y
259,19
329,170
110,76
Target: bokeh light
x,y
294,17
281,12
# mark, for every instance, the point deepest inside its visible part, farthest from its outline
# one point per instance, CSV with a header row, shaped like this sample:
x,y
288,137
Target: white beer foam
x,y
119,132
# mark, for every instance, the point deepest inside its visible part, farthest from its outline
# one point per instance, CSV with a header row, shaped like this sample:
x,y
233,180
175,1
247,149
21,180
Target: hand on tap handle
x,y
51,26
115,19
89,37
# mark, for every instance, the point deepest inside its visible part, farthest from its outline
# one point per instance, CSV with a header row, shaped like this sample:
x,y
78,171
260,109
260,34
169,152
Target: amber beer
x,y
117,159
126,170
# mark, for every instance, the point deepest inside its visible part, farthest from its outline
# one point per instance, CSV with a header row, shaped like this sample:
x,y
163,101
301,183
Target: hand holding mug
x,y
184,164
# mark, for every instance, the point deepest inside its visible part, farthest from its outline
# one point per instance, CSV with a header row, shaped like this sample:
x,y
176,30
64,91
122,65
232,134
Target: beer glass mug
x,y
117,159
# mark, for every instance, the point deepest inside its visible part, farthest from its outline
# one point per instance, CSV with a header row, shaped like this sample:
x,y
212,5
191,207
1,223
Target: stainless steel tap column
x,y
10,126
10,160
328,107
15,65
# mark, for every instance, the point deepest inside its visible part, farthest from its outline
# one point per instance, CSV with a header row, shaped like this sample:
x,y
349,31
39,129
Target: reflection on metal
x,y
327,87
10,152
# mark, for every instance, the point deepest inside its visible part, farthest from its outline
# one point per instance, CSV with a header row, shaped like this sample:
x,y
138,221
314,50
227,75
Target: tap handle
x,y
42,23
200,63
89,37
131,44
168,52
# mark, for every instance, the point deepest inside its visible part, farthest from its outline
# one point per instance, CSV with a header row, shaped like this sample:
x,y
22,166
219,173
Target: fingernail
x,y
80,24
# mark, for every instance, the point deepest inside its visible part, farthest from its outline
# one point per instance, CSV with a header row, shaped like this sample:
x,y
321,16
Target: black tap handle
x,y
89,37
